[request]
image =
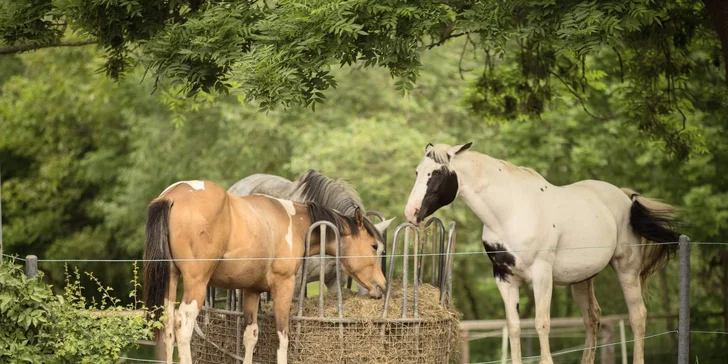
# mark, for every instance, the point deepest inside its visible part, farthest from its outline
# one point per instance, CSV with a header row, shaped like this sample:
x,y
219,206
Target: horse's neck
x,y
490,188
330,247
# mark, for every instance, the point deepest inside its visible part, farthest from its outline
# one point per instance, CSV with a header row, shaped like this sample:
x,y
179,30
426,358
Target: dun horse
x,y
254,243
537,232
315,187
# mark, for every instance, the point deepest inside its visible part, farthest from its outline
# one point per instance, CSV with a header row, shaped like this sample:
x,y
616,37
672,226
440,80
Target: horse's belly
x,y
240,274
580,256
575,267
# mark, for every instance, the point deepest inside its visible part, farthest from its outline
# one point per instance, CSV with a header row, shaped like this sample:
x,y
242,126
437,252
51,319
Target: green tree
x,y
281,52
114,147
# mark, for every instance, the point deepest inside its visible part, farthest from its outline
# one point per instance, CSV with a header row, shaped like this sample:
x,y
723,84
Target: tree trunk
x,y
718,11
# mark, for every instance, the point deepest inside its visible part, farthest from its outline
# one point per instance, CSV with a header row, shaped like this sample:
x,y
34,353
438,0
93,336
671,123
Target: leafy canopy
x,y
280,53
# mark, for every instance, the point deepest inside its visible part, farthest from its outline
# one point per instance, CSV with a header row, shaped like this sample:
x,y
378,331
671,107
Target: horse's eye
x,y
375,247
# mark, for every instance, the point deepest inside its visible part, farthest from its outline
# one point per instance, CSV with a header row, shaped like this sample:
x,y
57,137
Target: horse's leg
x,y
627,268
583,293
250,337
282,293
542,288
165,340
187,315
509,293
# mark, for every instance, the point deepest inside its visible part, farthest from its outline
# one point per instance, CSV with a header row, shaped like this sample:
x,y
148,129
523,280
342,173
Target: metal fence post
x,y
31,266
1,218
683,349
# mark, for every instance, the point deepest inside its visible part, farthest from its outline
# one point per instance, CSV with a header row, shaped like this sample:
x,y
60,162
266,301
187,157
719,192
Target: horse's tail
x,y
156,273
655,222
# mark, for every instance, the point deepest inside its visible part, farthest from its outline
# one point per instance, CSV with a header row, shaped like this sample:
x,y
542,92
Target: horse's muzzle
x,y
377,291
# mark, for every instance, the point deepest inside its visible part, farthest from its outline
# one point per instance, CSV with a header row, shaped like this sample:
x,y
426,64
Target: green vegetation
x,y
632,94
37,326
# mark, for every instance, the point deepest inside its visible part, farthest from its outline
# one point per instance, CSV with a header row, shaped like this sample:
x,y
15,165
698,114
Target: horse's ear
x,y
428,147
359,216
453,151
382,226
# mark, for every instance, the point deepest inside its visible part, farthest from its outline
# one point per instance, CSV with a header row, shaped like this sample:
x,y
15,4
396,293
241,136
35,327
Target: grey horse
x,y
311,186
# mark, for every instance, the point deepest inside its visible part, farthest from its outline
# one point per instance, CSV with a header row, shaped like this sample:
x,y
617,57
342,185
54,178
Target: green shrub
x,y
37,326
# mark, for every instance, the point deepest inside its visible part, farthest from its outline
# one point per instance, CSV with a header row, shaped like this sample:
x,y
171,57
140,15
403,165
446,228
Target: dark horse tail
x,y
156,273
656,222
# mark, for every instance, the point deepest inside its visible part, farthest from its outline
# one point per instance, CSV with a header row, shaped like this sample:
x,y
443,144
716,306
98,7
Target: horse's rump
x,y
656,222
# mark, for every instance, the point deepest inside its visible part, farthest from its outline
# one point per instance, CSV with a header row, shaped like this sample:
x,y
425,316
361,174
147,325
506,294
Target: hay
x,y
365,307
362,337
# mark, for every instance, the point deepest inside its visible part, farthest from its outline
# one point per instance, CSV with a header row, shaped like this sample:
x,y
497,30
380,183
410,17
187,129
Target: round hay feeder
x,y
414,322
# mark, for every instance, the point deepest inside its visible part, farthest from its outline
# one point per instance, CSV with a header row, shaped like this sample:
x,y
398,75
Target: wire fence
x,y
575,350
582,348
527,358
463,253
479,252
144,360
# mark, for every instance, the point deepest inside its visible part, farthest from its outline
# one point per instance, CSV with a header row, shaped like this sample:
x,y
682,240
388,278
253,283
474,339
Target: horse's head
x,y
436,183
361,246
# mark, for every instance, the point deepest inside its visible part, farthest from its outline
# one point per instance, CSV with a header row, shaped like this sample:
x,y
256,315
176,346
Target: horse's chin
x,y
376,293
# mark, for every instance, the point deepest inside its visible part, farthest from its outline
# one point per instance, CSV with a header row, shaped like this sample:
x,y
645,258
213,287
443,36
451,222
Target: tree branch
x,y
445,39
581,100
30,47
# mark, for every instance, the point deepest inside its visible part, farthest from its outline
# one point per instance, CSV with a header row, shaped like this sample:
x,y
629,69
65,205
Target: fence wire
x,y
479,252
144,360
13,257
558,353
708,332
569,351
465,253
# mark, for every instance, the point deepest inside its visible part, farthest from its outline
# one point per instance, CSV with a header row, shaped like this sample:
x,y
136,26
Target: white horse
x,y
537,232
311,186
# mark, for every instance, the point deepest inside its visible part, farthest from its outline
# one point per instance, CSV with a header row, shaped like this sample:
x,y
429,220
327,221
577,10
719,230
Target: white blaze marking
x,y
282,348
197,185
417,195
291,210
288,205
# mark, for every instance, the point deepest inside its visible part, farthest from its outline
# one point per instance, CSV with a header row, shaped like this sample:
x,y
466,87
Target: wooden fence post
x,y
504,345
623,341
465,347
31,266
608,350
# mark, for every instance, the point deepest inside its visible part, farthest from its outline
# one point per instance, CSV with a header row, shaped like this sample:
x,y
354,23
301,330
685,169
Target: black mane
x,y
318,212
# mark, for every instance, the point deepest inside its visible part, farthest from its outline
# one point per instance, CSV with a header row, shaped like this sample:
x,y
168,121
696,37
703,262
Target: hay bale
x,y
361,337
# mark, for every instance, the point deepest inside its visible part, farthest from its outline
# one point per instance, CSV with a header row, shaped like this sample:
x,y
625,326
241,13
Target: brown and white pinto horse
x,y
255,243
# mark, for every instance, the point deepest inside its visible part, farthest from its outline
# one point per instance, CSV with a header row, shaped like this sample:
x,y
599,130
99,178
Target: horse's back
x,y
267,184
611,196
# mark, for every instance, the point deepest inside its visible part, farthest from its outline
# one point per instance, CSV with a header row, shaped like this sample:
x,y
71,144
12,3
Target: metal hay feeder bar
x,y
338,338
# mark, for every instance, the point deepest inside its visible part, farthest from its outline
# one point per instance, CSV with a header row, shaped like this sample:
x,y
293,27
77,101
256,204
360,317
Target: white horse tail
x,y
655,222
